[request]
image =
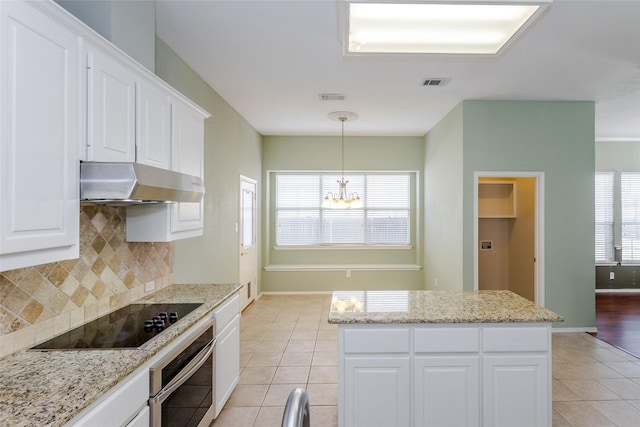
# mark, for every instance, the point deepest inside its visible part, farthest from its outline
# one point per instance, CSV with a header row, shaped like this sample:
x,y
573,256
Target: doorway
x,y
508,231
248,238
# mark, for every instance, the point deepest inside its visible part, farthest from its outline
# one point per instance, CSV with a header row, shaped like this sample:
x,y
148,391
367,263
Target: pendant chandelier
x,y
342,200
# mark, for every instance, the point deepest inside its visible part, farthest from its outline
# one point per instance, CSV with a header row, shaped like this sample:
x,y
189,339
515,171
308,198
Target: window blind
x,y
630,215
604,216
302,221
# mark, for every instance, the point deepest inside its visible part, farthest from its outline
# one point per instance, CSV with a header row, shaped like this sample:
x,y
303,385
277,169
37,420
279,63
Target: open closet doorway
x,y
509,233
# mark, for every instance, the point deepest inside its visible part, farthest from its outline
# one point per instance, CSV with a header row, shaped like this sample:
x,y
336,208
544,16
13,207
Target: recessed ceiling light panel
x,y
444,27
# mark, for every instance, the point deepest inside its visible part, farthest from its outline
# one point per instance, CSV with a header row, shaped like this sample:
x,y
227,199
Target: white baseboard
x,y
296,293
591,330
615,291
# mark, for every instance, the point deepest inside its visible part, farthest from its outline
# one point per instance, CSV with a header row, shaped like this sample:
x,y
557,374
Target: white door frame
x,y
538,280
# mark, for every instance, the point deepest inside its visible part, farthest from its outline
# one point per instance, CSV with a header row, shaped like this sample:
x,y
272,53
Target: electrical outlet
x,y
435,282
612,275
348,273
149,286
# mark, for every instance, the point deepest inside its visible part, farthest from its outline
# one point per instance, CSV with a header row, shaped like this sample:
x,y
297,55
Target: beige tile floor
x,y
286,342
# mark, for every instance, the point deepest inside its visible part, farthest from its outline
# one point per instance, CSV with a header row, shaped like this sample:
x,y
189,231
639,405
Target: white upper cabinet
x,y
67,94
40,82
187,129
165,223
153,133
128,114
111,109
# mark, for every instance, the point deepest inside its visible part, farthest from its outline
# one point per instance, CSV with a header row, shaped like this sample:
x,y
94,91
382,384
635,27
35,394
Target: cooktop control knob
x,y
148,325
173,317
163,316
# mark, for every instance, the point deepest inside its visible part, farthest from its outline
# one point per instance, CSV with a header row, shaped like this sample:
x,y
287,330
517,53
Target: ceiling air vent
x,y
435,82
331,97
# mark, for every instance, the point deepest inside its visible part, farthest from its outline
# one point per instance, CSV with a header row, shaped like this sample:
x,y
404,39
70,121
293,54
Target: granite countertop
x,y
385,307
49,388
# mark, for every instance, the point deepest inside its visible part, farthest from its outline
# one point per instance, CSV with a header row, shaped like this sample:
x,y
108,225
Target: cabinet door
x,y
141,420
124,403
376,392
447,391
227,362
39,131
153,125
187,156
516,390
111,102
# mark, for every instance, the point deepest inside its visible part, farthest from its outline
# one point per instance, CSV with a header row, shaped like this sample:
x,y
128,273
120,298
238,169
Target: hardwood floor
x,y
618,320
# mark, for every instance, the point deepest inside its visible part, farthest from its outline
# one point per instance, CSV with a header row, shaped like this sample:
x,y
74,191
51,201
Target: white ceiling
x,y
270,59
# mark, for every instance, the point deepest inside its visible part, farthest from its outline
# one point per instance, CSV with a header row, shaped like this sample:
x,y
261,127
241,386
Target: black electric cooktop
x,y
129,327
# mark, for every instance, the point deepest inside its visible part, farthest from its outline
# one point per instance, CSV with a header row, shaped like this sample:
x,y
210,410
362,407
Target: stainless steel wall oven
x,y
182,382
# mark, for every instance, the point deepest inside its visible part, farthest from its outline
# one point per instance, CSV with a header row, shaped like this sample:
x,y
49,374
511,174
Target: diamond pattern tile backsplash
x,y
37,303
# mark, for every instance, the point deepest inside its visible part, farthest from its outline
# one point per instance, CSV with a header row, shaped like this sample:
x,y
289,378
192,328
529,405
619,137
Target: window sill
x,y
343,267
341,247
615,264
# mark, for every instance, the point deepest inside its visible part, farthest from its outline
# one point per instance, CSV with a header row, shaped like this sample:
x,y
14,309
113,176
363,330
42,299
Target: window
x,y
617,216
630,215
604,217
300,219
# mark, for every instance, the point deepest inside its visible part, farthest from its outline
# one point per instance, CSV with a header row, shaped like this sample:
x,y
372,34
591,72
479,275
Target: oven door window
x,y
190,403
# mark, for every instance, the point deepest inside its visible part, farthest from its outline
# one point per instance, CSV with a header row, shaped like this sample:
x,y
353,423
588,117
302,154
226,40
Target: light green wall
x,y
618,156
361,154
556,138
443,204
130,25
232,148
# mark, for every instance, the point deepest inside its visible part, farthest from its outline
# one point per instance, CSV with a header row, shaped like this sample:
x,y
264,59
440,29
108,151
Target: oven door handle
x,y
185,374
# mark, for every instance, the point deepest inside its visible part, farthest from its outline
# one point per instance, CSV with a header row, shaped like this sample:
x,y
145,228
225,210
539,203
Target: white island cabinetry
x,y
470,367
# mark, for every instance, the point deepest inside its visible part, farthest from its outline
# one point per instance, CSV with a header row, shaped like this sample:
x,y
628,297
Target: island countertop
x,y
49,388
404,306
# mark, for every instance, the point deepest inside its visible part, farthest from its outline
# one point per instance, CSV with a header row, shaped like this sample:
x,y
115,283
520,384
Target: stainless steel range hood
x,y
135,183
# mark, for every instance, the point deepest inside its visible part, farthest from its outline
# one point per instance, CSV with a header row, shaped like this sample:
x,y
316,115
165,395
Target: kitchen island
x,y
50,388
442,358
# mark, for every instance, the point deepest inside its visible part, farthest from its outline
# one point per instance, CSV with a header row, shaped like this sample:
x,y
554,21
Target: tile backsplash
x,y
37,303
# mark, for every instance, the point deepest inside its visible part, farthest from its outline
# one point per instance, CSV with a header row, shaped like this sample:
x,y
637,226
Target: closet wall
x,y
506,235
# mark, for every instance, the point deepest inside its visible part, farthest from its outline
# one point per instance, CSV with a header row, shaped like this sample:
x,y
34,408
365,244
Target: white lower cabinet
x,y
487,375
515,390
227,363
377,389
124,405
227,351
141,420
447,391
